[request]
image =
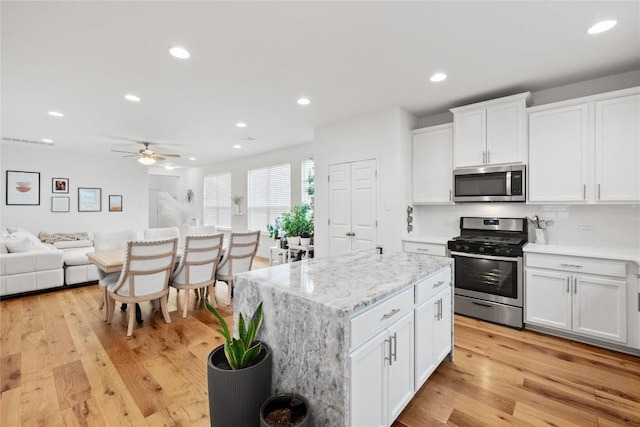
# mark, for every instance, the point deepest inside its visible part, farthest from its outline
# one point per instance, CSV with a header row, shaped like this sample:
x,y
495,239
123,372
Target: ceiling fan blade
x,y
168,155
120,151
157,156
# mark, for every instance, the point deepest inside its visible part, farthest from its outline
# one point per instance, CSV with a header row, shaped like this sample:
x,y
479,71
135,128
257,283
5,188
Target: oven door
x,y
487,277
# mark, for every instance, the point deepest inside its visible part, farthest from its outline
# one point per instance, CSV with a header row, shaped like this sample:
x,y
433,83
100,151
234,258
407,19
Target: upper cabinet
x,y
491,132
586,150
433,164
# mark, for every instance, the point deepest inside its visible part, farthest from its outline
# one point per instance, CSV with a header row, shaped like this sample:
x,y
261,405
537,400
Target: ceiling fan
x,y
147,156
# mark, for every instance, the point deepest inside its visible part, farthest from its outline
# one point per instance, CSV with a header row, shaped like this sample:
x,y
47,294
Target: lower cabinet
x,y
585,304
382,375
433,335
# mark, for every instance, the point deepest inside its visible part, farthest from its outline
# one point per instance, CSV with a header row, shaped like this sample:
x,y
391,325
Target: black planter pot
x,y
235,397
300,408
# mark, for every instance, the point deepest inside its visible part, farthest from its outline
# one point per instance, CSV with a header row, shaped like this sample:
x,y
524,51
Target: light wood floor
x,y
62,365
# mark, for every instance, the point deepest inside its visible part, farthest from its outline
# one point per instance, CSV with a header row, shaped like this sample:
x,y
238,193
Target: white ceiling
x,y
250,61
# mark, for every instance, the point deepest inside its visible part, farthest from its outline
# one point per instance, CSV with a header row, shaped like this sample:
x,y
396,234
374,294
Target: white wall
x,y
114,176
603,225
384,136
193,179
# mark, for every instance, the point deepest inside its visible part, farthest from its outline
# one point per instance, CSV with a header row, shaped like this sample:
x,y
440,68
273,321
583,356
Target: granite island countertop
x,y
349,282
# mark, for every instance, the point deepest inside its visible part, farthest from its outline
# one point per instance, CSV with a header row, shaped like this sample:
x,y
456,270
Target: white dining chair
x,y
197,268
197,230
237,258
145,276
110,241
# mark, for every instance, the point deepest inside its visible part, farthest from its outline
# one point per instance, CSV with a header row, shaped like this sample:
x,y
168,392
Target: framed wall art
x,y
60,204
89,199
23,188
60,185
115,203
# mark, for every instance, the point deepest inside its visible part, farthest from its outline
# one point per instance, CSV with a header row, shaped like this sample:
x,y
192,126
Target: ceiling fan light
x,y
147,161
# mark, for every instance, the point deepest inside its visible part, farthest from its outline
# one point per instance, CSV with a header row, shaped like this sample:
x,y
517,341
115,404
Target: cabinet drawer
x,y
597,266
424,248
380,316
433,284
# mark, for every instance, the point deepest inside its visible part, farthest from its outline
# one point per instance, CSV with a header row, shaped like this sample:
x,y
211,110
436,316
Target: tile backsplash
x,y
592,225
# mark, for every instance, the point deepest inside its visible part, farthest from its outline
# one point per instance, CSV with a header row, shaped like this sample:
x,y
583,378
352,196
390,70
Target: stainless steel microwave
x,y
489,184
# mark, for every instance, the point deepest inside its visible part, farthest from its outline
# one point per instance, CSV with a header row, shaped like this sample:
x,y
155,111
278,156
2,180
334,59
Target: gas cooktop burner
x,y
491,240
491,236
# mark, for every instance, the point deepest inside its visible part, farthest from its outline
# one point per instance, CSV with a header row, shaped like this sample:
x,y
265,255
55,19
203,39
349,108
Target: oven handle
x,y
497,258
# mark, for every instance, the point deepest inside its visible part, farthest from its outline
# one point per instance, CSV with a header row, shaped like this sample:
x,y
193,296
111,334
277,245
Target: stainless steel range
x,y
489,270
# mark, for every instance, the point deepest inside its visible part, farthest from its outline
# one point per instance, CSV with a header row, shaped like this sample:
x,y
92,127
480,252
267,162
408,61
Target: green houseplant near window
x,y
238,373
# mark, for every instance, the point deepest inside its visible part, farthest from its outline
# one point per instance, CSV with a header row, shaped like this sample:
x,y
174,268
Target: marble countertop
x,y
604,252
349,282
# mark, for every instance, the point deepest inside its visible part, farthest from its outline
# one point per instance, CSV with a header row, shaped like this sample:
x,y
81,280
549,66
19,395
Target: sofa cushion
x,y
22,244
77,256
66,244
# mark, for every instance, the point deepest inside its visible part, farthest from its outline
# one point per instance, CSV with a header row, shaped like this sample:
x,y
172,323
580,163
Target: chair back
x,y
161,233
111,241
240,253
198,230
147,268
199,260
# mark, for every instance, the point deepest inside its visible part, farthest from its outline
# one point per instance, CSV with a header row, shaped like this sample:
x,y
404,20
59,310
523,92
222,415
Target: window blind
x,y
217,200
268,195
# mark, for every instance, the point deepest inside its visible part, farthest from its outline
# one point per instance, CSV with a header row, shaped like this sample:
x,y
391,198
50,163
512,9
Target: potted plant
x,y
274,230
284,410
307,232
290,228
238,373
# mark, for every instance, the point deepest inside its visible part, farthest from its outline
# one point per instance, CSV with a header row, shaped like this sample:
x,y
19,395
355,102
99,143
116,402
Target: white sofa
x,y
26,264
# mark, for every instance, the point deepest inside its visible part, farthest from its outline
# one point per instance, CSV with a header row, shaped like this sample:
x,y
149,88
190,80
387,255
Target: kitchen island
x,y
342,330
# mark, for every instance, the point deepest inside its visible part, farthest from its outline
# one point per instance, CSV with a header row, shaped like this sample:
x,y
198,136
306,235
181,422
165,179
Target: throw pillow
x,y
21,244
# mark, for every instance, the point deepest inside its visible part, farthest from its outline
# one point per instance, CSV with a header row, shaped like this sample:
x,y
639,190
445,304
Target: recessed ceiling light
x,y
132,98
179,52
438,77
237,146
47,140
241,125
56,114
602,26
169,167
192,158
304,101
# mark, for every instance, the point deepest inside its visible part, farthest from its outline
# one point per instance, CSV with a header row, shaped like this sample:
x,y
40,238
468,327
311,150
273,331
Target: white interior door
x,y
363,204
339,208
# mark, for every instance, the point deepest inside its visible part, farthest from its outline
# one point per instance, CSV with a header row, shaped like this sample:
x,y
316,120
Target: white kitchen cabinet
x,y
491,132
617,145
433,334
433,165
382,375
586,150
576,294
558,154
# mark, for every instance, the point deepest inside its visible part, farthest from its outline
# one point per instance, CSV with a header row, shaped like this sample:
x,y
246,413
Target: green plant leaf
x,y
241,328
229,353
225,333
250,354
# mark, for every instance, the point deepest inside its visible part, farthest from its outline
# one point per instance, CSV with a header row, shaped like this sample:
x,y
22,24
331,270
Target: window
x,y
217,200
308,187
269,195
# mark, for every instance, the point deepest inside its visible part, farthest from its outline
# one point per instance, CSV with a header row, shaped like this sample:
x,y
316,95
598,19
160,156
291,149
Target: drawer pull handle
x,y
437,285
481,305
423,249
390,314
572,265
385,357
395,346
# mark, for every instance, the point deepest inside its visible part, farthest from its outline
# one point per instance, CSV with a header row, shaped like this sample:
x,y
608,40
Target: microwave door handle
x,y
508,178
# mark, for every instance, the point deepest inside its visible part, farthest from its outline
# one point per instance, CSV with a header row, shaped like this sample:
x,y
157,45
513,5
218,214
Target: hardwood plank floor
x,y
62,365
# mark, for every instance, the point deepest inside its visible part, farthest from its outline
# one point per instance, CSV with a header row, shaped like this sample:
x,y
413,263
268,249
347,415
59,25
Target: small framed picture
x,y
23,188
60,204
115,203
89,199
60,185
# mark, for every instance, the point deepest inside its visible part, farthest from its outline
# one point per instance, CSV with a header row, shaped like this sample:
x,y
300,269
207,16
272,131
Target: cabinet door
x,y
425,319
433,165
548,299
442,329
505,134
400,383
470,138
368,382
618,149
363,204
599,307
558,155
